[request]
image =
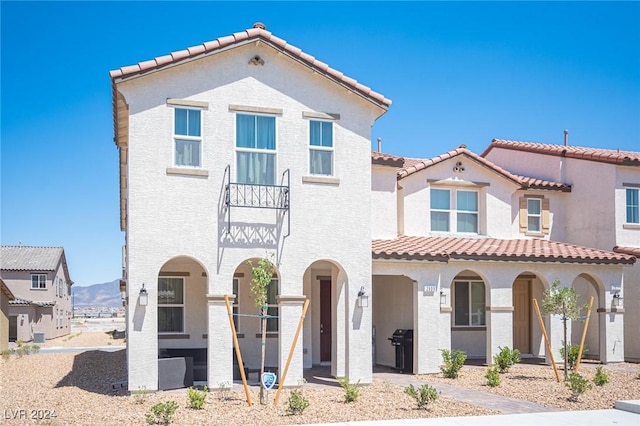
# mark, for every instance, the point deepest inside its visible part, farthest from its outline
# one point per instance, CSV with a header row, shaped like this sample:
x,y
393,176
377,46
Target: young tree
x,y
261,276
564,302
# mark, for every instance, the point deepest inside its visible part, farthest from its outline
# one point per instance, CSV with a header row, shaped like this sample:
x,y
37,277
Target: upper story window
x,y
187,136
256,149
534,215
469,303
463,206
321,148
633,205
38,281
170,305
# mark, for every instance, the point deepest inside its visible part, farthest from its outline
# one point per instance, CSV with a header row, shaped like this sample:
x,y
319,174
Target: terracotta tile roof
x,y
442,249
612,156
386,159
412,166
244,37
633,251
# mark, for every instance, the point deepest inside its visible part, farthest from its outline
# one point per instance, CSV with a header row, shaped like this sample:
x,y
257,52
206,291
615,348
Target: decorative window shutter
x,y
546,223
523,215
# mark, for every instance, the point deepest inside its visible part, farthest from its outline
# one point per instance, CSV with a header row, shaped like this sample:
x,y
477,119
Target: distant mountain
x,y
105,295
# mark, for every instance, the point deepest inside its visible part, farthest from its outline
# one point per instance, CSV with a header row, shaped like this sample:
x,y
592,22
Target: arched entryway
x,y
527,334
586,287
470,295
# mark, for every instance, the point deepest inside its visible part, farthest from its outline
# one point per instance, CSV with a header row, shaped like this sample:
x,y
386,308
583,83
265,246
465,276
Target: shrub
x,y
351,391
297,403
601,378
6,354
506,359
572,354
196,397
140,395
224,388
493,376
577,385
422,395
453,362
162,413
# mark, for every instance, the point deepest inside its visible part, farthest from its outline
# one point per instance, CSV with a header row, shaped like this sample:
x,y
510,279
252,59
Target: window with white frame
x,y
534,215
256,149
633,205
469,303
38,281
272,307
236,304
187,136
321,148
170,305
464,204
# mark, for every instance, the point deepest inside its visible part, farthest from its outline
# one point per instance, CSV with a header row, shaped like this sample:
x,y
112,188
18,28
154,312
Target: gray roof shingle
x,y
30,258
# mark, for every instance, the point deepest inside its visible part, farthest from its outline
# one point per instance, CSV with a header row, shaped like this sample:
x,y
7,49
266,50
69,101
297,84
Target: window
x,y
534,215
256,149
187,131
633,206
236,304
272,306
38,281
466,210
469,303
170,305
321,148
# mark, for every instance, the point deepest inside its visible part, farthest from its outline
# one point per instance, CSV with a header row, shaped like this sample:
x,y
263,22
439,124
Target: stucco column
x,y
499,320
359,337
555,330
219,342
142,338
431,327
611,334
290,312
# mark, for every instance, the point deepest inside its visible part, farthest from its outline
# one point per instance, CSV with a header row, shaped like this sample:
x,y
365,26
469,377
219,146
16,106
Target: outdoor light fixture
x,y
617,299
123,289
363,298
443,298
144,296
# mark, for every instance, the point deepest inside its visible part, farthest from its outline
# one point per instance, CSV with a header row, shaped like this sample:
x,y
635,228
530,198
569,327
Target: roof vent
x,y
259,25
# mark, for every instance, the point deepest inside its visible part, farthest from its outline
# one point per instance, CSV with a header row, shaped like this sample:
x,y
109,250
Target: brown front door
x,y
325,320
522,316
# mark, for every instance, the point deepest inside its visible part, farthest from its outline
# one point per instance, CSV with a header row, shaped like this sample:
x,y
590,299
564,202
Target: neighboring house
x,y
475,243
5,297
603,212
230,151
39,279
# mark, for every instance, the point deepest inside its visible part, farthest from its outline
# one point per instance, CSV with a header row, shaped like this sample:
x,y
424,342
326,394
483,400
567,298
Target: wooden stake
x,y
293,345
584,335
546,339
236,345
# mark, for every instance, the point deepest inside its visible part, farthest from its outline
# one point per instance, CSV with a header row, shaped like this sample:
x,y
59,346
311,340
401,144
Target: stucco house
x,y
602,212
39,279
5,297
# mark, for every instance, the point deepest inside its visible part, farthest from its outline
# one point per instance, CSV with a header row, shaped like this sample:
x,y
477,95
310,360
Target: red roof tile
x,y
633,251
442,249
243,37
626,158
386,159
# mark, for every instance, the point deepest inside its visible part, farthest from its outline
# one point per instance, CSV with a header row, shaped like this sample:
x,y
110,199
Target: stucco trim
x,y
630,226
290,299
219,298
173,336
259,110
499,308
320,115
631,185
174,274
187,172
467,328
187,103
446,309
610,310
321,180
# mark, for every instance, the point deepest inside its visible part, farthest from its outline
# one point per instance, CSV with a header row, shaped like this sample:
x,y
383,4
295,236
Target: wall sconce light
x,y
144,296
363,298
443,298
617,299
123,289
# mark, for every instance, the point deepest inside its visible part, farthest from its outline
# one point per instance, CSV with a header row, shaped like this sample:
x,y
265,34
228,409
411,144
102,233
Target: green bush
x,y
601,378
422,395
506,359
297,403
351,391
196,397
493,376
7,353
572,357
162,413
577,385
452,362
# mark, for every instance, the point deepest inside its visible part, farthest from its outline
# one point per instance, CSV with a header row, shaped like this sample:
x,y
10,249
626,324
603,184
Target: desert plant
x,y
162,413
422,395
140,395
506,358
452,362
224,388
577,385
351,390
493,376
601,378
197,397
572,354
297,403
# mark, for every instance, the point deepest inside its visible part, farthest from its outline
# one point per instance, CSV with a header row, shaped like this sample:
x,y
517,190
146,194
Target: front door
x,y
325,320
13,328
522,316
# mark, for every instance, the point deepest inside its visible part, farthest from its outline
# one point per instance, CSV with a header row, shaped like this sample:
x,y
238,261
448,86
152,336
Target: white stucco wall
x,y
384,211
631,302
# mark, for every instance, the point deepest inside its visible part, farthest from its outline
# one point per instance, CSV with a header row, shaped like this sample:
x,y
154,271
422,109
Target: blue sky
x,y
457,73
